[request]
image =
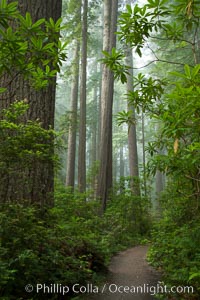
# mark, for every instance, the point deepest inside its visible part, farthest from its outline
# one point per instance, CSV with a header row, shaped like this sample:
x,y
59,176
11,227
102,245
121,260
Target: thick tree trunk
x,y
71,153
132,137
109,41
36,183
82,129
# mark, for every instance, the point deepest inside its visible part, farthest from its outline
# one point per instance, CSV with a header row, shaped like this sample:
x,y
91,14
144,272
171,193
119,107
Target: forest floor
x,y
128,269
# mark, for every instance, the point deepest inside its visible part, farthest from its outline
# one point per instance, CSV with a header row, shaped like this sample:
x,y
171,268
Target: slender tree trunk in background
x,y
159,182
94,138
159,188
82,128
71,153
95,121
37,186
109,41
121,157
121,167
144,157
132,136
115,168
159,175
99,121
99,99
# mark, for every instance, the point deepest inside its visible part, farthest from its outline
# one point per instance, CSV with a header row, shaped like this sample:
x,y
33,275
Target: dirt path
x,y
129,269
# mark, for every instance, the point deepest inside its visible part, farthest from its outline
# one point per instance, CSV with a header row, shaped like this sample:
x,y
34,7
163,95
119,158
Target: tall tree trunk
x,y
99,119
121,157
159,175
71,153
132,137
121,168
159,182
94,132
115,168
144,157
82,128
109,41
38,181
95,121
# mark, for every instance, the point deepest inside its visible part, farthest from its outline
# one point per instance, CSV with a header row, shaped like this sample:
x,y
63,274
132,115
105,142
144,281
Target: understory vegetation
x,y
175,247
64,211
69,243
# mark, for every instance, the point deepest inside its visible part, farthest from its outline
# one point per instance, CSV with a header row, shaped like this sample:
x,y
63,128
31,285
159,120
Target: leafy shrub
x,y
126,220
45,250
31,49
175,247
67,244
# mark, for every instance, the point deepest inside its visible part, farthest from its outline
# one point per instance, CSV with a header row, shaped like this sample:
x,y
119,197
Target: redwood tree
x,y
38,179
82,128
71,153
109,41
132,137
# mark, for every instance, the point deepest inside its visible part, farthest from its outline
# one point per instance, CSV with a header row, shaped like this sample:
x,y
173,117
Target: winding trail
x,y
129,269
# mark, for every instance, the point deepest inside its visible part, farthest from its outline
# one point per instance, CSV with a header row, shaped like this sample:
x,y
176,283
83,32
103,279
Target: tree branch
x,y
161,60
167,40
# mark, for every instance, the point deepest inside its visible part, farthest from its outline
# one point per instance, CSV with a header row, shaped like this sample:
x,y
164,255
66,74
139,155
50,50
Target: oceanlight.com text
x,y
112,288
149,289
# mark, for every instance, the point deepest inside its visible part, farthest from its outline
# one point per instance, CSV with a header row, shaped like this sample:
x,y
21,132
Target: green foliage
x,y
31,49
125,117
22,143
175,249
7,11
137,23
180,132
72,12
66,244
176,107
113,61
44,250
176,237
147,91
128,214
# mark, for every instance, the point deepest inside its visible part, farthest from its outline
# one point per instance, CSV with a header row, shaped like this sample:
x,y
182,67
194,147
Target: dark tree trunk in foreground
x,y
37,184
82,128
109,41
71,153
